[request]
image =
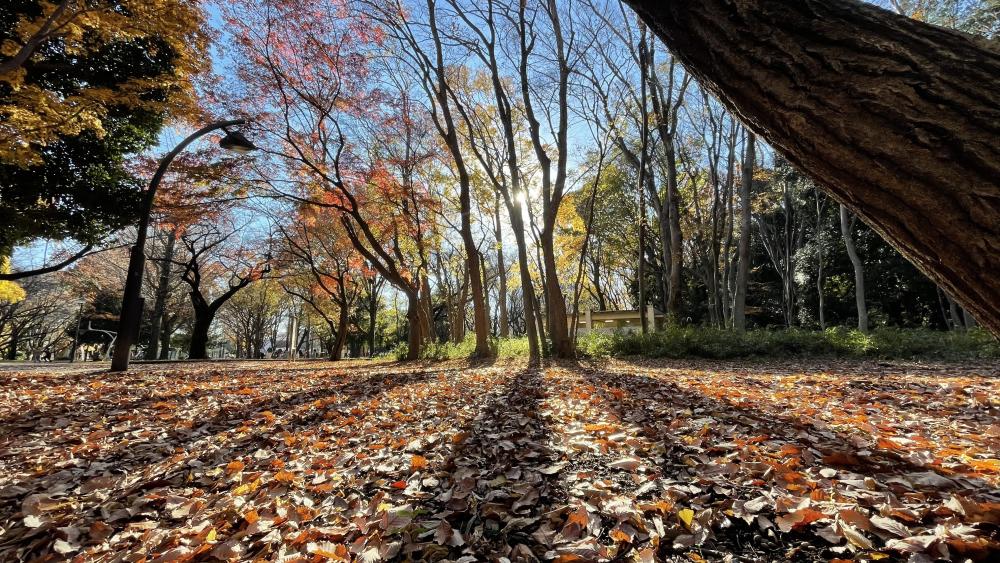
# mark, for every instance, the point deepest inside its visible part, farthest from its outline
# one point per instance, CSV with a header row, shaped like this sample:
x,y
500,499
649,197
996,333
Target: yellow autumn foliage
x,y
10,292
33,116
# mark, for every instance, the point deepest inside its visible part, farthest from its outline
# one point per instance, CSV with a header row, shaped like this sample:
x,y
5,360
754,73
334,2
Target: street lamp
x,y
128,323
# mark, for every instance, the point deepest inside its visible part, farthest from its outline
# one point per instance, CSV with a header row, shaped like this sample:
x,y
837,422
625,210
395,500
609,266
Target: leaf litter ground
x,y
605,461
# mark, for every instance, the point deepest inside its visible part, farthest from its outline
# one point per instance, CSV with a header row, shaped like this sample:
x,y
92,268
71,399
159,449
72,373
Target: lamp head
x,y
237,142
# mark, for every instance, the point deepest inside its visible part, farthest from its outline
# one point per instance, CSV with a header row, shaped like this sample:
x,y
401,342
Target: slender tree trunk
x,y
527,285
372,314
743,272
162,289
953,323
895,118
676,250
968,319
819,261
503,318
562,346
788,267
643,156
15,337
859,269
458,330
728,223
480,320
166,331
486,293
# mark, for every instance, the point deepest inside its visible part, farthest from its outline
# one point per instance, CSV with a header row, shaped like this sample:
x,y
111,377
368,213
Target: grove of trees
x,y
439,170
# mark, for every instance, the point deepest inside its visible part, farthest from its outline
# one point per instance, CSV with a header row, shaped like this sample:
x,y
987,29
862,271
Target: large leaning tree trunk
x,y
895,118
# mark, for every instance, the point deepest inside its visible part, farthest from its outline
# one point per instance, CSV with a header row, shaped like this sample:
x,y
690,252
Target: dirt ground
x,y
602,461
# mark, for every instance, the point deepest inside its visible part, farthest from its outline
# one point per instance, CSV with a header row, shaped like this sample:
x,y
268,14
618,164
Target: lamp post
x,y
128,323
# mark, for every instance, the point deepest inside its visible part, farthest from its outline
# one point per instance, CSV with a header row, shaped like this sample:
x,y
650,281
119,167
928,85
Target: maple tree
x,y
341,140
218,261
321,267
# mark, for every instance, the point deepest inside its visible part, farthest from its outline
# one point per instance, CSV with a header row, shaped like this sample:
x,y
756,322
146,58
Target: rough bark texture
x,y
897,119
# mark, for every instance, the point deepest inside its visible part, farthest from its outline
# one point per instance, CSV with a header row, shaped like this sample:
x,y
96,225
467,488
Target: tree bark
x,y
859,270
162,289
503,319
203,317
818,235
446,126
338,341
372,314
420,327
895,118
743,250
166,331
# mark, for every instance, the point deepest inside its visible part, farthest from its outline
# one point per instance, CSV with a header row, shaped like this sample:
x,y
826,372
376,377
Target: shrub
x,y
885,343
715,343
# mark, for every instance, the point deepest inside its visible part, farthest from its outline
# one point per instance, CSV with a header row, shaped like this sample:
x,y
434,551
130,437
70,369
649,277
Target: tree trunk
x,y
819,261
676,249
420,326
337,342
968,319
166,331
562,346
954,323
481,323
503,318
789,267
15,337
859,269
643,155
199,333
895,118
743,250
162,289
527,285
372,313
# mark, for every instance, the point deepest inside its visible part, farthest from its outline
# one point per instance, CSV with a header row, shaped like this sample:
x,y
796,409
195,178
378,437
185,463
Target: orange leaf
x,y
418,462
887,444
789,450
985,464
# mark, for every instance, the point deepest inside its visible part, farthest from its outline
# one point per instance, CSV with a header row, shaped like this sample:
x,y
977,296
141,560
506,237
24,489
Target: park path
x,y
591,461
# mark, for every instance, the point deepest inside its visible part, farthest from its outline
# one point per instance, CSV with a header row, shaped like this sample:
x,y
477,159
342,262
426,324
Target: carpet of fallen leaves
x,y
607,461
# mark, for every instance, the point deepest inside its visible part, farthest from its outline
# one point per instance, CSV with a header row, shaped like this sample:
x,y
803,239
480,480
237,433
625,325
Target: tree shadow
x,y
499,483
103,390
703,435
158,455
762,420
